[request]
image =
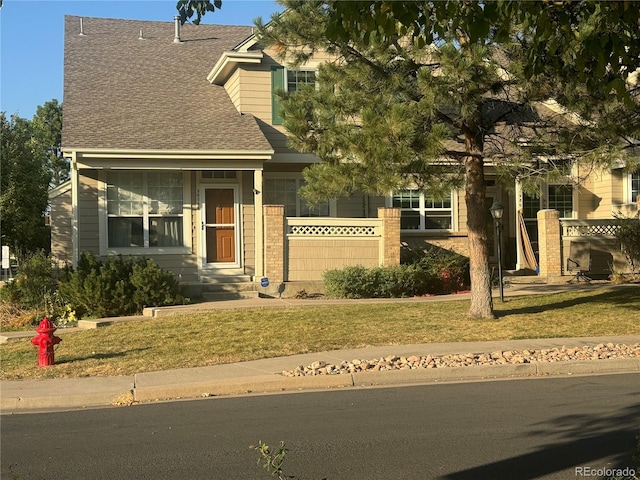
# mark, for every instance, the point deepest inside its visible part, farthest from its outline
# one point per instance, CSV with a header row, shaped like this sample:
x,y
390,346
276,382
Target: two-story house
x,y
178,154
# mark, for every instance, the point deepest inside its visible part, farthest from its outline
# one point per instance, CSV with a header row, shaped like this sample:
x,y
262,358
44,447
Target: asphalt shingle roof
x,y
121,92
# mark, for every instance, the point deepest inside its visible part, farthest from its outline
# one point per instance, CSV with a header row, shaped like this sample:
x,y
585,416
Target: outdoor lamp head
x,y
496,210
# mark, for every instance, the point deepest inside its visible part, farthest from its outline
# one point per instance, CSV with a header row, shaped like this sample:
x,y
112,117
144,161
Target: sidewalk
x,y
265,376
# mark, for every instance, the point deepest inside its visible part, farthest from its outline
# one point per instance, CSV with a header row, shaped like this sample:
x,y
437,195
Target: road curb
x,y
24,395
27,395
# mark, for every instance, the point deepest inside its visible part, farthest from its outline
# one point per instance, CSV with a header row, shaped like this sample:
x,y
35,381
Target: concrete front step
x,y
223,279
228,287
228,295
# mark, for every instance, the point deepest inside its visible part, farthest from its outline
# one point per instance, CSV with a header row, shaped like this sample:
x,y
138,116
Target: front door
x,y
219,225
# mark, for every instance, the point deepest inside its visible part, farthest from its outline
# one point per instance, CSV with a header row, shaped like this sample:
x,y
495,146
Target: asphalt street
x,y
515,429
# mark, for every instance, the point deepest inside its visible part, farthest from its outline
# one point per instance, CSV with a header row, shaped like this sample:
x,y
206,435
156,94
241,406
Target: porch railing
x,y
589,228
321,227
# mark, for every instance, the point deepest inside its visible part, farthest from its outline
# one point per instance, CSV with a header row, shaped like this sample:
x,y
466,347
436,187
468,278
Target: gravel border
x,y
514,357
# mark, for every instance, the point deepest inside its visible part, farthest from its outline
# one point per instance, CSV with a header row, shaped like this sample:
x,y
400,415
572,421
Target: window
x,y
289,82
284,191
418,212
297,78
144,209
635,186
560,197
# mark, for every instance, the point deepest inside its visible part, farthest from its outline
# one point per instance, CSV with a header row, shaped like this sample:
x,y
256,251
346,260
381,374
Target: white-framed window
x,y
634,186
560,197
284,190
296,78
418,212
145,211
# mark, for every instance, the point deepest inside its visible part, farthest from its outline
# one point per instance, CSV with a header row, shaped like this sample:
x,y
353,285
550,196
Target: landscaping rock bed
x,y
393,362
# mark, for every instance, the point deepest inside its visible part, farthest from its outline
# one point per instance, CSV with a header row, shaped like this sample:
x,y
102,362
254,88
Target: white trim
x,y
229,61
74,211
627,193
58,190
259,223
423,210
157,153
124,163
237,225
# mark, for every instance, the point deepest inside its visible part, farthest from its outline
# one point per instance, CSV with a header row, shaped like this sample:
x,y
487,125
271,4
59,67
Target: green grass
x,y
240,335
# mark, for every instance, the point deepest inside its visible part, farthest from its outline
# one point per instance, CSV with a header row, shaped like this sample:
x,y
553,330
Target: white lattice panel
x,y
333,230
607,230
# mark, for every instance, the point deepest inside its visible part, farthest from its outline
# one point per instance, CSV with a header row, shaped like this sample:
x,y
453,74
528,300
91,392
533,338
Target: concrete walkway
x,y
265,376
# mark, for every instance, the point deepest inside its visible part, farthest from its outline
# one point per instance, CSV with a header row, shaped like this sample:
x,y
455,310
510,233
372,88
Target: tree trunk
x,y
481,300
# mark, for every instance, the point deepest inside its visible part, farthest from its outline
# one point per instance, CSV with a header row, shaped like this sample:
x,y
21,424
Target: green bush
x,y
430,272
33,282
628,233
117,286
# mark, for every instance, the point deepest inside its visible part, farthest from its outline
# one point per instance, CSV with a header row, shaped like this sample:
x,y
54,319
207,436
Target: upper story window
x,y
296,78
289,81
418,212
145,209
284,191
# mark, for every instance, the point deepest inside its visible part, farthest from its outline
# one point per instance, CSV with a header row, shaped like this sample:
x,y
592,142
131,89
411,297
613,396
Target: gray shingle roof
x,y
121,92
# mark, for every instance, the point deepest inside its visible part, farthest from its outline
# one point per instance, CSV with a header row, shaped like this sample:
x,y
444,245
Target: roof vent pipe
x,y
81,27
140,35
176,20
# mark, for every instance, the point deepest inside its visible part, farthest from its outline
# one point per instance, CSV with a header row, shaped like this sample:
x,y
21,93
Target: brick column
x,y
549,238
390,241
274,239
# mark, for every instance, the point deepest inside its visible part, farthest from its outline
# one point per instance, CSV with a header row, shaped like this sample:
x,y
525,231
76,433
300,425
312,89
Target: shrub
x,y
628,233
429,273
33,282
117,286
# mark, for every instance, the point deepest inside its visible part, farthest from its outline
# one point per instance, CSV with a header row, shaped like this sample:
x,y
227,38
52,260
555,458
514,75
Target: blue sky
x,y
31,40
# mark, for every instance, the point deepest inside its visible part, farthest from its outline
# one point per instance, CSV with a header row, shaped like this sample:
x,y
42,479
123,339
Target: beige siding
x,y
88,234
618,179
309,259
255,98
233,89
597,199
61,229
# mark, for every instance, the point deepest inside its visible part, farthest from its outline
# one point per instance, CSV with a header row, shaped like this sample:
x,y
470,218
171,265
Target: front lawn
x,y
239,335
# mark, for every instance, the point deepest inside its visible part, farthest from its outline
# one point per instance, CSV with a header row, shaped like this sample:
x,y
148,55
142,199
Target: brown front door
x,y
220,225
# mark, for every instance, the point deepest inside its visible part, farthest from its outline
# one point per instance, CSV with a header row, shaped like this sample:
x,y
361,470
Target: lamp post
x,y
496,212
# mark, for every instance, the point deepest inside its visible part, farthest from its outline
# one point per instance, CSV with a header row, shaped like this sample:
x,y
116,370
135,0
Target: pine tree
x,y
391,111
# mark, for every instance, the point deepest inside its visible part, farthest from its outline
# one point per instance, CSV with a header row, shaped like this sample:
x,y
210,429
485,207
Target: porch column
x,y
259,223
549,238
390,240
520,264
75,254
274,242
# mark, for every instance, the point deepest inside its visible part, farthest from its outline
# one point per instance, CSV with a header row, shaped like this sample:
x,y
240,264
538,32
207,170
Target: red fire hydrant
x,y
46,340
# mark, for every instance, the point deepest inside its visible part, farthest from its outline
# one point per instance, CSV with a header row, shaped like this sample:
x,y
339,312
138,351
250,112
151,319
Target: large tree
x,y
47,133
423,95
24,187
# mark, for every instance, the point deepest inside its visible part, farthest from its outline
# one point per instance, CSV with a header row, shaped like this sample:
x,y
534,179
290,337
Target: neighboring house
x,y
178,154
